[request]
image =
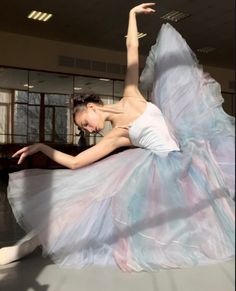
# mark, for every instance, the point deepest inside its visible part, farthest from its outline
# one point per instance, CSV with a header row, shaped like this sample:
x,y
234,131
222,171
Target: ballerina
x,y
149,207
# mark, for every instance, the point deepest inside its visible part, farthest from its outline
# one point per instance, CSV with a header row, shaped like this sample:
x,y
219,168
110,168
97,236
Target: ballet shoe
x,y
16,252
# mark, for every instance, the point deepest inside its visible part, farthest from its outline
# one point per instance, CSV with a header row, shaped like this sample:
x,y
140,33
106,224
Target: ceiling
x,y
103,24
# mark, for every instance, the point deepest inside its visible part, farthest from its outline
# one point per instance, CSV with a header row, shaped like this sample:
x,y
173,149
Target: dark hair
x,y
80,101
84,98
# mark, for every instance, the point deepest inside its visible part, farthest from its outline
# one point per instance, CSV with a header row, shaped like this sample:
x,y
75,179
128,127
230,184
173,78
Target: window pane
x,y
20,139
5,116
3,123
21,96
52,99
13,78
34,98
118,88
33,123
33,138
93,85
20,123
61,124
50,83
20,119
5,96
48,124
26,97
107,99
3,119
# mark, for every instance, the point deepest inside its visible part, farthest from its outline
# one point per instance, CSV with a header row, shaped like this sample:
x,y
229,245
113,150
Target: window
x,y
5,116
57,118
36,106
40,117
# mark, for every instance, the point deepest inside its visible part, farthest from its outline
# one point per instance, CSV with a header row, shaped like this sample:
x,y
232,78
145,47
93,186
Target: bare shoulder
x,y
134,104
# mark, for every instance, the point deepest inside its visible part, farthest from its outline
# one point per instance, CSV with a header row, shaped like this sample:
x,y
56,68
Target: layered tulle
x,y
190,99
136,209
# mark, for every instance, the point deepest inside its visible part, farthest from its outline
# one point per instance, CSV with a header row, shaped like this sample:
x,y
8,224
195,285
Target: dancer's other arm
x,y
116,138
132,44
113,140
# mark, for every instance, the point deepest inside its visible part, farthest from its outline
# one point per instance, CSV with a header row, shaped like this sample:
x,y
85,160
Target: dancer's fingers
x,y
147,9
22,157
149,4
150,10
15,154
19,152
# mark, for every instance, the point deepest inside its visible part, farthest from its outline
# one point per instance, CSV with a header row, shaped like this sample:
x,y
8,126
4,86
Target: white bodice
x,y
150,131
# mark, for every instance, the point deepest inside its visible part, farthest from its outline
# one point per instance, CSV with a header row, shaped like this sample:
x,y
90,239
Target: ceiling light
x,y
32,13
29,86
140,34
47,17
106,80
43,15
77,88
175,16
38,15
206,49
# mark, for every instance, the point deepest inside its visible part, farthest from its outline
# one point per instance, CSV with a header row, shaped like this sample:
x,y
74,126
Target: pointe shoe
x,y
16,252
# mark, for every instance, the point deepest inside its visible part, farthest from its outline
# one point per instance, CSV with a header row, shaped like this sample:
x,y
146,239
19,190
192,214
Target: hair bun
x,y
84,98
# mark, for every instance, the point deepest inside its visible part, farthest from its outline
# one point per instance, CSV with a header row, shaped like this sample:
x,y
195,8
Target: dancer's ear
x,y
91,105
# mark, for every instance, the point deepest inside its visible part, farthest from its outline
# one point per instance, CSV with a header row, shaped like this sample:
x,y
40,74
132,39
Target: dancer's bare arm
x,y
132,44
113,140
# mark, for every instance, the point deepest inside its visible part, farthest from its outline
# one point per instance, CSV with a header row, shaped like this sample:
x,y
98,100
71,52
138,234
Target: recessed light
x,y
29,86
38,15
106,80
140,34
175,16
206,49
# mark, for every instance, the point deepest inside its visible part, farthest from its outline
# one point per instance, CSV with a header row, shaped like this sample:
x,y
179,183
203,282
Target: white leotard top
x,y
150,131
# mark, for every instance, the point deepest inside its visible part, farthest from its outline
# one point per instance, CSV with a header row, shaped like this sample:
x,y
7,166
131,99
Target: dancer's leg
x,y
22,248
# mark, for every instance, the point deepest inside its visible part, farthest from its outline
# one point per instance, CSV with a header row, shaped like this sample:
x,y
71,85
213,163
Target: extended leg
x,y
22,248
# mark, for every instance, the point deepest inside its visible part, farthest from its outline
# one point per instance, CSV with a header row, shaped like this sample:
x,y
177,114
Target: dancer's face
x,y
90,119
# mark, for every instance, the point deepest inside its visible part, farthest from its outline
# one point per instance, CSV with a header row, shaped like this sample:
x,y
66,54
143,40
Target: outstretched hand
x,y
144,8
26,151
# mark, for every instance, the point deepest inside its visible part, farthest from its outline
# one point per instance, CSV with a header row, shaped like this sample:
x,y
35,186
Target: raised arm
x,y
132,43
108,144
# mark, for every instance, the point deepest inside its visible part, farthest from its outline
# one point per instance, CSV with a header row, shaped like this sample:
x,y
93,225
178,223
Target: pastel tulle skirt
x,y
135,209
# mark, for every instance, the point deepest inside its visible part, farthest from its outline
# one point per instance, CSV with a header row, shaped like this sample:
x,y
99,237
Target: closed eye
x,y
83,124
